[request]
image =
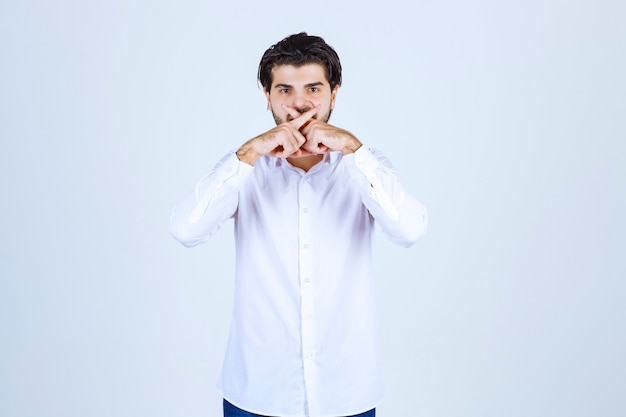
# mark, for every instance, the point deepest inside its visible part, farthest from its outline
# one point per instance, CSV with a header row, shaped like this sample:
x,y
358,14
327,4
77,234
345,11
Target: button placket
x,y
307,299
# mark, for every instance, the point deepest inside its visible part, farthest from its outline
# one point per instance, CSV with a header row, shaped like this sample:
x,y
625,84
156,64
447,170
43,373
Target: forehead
x,y
295,75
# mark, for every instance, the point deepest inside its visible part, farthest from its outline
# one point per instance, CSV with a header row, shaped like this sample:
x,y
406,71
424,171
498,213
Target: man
x,y
304,197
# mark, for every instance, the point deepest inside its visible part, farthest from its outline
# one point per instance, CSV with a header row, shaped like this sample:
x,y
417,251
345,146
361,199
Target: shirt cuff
x,y
364,161
234,172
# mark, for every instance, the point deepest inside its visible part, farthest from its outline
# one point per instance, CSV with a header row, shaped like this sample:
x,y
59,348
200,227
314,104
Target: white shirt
x,y
303,338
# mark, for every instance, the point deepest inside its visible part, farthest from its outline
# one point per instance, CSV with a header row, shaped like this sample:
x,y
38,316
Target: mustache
x,y
288,118
301,111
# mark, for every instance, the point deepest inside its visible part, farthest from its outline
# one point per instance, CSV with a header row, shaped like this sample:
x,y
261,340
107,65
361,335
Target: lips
x,y
301,111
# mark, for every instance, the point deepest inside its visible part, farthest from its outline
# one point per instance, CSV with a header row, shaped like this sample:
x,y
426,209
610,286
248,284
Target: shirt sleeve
x,y
400,216
213,201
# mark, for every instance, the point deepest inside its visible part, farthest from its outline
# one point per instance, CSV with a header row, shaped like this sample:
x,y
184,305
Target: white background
x,y
505,118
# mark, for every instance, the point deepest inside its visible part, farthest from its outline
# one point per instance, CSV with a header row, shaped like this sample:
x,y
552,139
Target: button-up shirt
x,y
303,338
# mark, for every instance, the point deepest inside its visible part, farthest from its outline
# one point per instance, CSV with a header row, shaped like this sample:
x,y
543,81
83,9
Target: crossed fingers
x,y
311,145
300,120
288,135
316,134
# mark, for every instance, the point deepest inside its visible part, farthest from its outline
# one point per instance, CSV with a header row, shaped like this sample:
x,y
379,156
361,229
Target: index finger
x,y
300,119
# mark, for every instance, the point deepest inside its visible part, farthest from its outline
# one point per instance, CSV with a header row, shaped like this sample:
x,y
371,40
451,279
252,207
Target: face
x,y
300,88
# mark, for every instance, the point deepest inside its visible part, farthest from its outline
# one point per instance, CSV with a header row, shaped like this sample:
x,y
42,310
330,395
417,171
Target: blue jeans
x,y
233,411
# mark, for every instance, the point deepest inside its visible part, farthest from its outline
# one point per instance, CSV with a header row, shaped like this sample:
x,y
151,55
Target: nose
x,y
301,102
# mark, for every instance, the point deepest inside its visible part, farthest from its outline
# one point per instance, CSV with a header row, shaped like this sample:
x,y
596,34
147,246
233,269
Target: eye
x,y
284,90
314,89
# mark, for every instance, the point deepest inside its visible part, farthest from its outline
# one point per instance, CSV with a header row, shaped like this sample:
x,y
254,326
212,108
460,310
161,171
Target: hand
x,y
283,141
322,137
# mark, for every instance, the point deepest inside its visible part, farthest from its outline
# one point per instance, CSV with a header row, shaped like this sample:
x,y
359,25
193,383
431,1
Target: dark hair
x,y
297,50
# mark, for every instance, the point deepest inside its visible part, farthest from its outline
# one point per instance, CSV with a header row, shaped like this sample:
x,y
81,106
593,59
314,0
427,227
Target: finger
x,y
310,146
291,111
315,147
298,152
307,127
292,143
299,121
321,148
313,142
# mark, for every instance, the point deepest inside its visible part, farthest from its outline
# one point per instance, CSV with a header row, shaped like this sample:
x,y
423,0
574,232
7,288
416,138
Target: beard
x,y
324,118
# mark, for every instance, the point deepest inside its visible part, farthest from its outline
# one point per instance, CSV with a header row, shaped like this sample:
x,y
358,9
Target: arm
x,y
214,199
216,196
280,142
401,217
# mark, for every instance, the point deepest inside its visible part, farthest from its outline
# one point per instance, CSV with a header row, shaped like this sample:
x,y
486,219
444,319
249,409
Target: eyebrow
x,y
309,85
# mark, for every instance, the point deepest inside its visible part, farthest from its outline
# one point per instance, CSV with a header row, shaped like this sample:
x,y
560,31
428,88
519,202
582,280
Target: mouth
x,y
301,111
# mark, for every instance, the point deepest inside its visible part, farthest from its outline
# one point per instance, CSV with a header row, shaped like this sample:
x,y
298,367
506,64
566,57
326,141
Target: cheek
x,y
276,105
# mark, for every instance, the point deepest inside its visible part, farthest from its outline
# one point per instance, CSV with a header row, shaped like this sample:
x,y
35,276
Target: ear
x,y
333,97
267,97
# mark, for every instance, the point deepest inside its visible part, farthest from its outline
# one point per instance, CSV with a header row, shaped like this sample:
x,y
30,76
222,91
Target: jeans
x,y
233,411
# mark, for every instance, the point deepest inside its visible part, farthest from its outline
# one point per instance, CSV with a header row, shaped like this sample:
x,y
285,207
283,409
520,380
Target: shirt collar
x,y
329,159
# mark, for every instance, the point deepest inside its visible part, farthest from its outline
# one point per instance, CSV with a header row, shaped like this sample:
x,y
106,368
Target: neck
x,y
305,162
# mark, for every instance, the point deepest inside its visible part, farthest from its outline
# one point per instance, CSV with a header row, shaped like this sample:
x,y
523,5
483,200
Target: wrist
x,y
247,154
352,145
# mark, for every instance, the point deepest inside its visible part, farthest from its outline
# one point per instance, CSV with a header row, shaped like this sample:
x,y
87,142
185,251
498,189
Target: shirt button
x,y
306,246
307,279
305,210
